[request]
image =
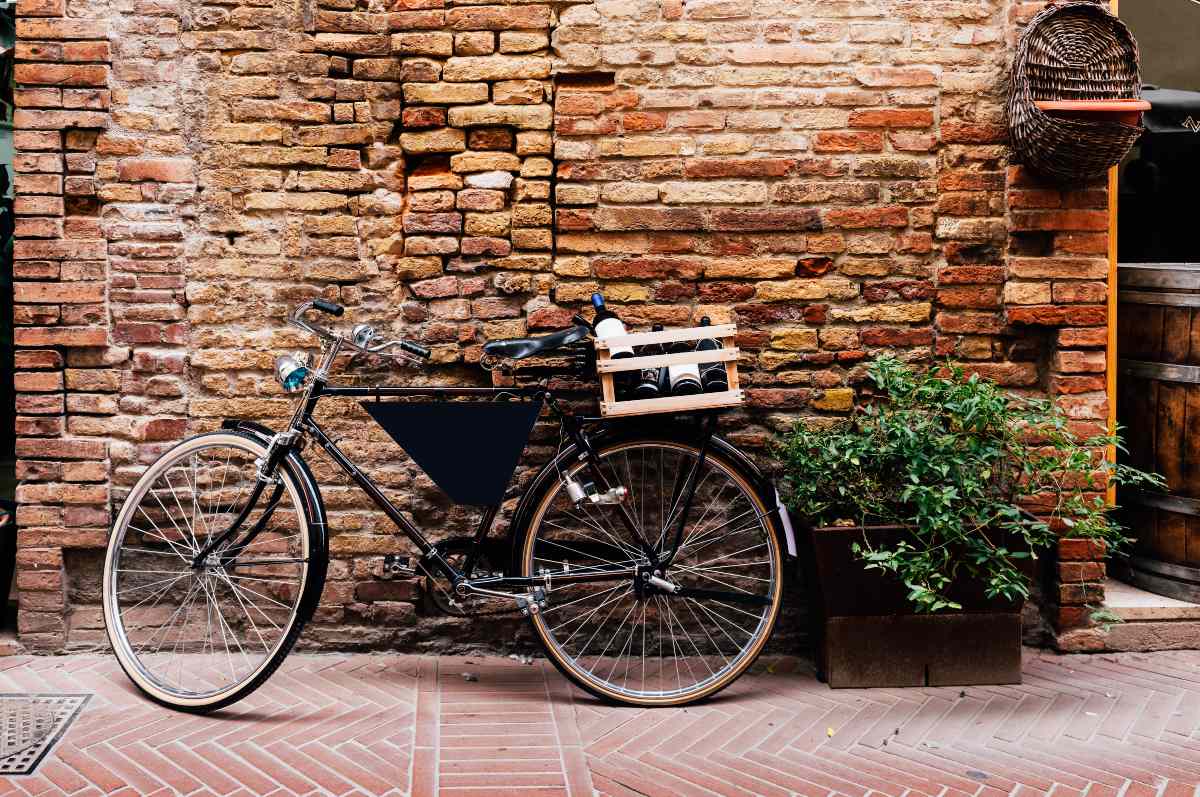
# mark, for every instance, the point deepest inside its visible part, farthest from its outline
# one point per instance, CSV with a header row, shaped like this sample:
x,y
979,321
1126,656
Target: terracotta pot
x,y
869,633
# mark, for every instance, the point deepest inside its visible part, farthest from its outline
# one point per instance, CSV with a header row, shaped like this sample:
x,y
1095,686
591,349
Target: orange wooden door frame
x,y
1111,356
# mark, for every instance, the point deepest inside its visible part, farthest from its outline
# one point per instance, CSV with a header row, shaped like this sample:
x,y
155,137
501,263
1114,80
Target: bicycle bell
x,y
362,335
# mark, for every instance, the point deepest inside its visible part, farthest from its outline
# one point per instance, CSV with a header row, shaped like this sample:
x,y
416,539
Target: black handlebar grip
x,y
415,348
332,308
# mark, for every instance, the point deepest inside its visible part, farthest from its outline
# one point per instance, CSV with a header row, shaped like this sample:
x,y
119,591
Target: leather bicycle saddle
x,y
520,348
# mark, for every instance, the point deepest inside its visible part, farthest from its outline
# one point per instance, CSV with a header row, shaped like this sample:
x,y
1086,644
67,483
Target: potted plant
x,y
916,507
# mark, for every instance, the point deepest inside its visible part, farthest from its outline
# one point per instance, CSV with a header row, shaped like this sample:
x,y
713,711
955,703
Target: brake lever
x,y
298,320
408,359
399,355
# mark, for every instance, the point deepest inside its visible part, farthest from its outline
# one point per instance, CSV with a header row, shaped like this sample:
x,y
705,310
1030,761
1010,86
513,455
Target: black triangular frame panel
x,y
469,448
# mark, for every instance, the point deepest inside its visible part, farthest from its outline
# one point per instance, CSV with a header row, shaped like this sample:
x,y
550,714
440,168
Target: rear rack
x,y
728,354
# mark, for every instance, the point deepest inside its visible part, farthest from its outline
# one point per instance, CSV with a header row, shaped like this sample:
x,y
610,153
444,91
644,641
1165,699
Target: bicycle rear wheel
x,y
625,640
199,635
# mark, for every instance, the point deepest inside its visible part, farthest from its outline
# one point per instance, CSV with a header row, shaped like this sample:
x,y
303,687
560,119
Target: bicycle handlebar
x,y
325,306
415,348
297,319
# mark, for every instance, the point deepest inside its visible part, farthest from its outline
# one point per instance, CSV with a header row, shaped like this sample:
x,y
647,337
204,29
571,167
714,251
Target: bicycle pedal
x,y
398,566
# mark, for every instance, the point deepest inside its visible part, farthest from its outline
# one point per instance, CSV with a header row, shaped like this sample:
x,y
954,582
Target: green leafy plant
x,y
955,459
1103,617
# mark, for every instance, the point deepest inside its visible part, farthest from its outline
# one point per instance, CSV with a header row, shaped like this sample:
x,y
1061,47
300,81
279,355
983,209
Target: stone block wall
x,y
830,175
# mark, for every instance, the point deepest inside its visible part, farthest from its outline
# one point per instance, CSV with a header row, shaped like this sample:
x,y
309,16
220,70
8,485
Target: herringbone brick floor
x,y
1105,726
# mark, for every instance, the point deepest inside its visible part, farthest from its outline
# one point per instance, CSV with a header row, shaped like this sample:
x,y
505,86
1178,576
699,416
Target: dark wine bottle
x,y
684,377
607,325
650,382
712,375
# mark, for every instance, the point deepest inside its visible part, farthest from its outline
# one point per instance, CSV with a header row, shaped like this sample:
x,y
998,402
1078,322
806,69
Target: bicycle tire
x,y
314,568
524,540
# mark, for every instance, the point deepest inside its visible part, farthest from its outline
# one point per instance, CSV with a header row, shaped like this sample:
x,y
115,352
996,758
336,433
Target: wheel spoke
x,y
202,633
630,640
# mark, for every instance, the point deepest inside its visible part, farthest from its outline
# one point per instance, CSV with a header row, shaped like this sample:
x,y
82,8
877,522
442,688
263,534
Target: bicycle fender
x,y
766,488
310,493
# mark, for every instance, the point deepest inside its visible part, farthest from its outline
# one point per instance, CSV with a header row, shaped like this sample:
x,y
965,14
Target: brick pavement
x,y
1103,726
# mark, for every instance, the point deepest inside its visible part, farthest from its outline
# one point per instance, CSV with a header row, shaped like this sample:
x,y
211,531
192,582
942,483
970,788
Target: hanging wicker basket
x,y
1074,52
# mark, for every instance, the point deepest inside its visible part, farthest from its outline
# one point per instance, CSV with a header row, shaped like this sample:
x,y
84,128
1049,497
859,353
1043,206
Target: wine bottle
x,y
712,375
607,325
684,377
650,381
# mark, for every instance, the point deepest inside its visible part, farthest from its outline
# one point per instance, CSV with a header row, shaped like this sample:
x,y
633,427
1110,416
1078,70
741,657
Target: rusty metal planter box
x,y
869,635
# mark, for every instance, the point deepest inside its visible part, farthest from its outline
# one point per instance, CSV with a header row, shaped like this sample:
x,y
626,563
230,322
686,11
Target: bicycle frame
x,y
303,424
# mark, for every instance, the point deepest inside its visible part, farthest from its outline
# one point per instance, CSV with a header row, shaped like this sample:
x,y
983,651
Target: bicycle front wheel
x,y
198,633
626,640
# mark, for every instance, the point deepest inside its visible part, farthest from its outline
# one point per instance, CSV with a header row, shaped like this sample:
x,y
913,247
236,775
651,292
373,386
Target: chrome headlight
x,y
291,370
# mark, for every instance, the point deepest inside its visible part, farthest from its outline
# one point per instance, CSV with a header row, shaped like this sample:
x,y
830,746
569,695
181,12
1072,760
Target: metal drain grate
x,y
31,724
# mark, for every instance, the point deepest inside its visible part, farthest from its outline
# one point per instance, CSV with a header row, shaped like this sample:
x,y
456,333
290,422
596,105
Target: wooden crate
x,y
607,367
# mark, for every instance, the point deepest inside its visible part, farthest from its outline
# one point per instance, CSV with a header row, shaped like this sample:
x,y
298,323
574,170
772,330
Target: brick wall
x,y
60,271
830,175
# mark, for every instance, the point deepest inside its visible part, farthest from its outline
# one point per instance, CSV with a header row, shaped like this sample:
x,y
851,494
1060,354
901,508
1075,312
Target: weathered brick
x,y
32,29
1060,220
352,44
445,93
61,74
442,223
291,111
500,17
423,43
420,117
496,67
523,41
161,170
860,141
1058,315
478,43
443,140
335,181
859,218
484,161
58,120
806,289
60,292
726,192
1058,267
1075,362
525,117
881,76
892,117
764,219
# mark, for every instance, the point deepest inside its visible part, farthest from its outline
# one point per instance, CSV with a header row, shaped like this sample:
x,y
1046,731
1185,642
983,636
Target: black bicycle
x,y
649,560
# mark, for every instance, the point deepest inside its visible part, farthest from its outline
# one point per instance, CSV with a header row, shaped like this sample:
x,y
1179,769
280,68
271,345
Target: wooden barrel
x,y
1158,405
